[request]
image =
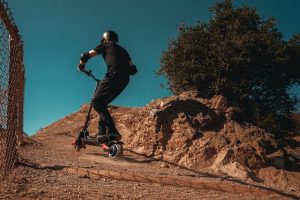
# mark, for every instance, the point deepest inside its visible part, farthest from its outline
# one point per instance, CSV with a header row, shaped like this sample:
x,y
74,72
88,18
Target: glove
x,y
132,70
81,67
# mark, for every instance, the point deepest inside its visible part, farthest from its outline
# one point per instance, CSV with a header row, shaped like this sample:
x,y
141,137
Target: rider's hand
x,y
81,67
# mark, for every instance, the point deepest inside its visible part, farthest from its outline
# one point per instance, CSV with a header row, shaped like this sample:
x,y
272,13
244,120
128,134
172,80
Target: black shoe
x,y
91,137
96,136
115,136
101,136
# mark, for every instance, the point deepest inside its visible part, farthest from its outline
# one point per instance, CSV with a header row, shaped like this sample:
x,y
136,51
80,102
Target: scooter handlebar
x,y
88,72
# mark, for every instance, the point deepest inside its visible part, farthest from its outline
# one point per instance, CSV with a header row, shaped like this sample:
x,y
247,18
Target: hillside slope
x,y
178,147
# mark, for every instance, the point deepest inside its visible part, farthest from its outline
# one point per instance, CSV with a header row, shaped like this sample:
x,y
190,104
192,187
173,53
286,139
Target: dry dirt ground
x,y
42,174
50,168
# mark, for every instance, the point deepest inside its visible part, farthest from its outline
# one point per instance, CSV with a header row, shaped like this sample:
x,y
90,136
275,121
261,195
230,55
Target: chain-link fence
x,y
11,89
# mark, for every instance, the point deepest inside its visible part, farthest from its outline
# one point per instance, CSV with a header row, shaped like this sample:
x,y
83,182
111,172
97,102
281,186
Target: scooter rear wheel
x,y
115,151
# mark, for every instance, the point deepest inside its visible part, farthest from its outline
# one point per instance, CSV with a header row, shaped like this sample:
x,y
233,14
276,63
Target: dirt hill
x,y
178,147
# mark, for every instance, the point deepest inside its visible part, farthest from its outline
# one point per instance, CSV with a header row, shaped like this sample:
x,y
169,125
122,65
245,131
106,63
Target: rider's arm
x,y
94,52
86,56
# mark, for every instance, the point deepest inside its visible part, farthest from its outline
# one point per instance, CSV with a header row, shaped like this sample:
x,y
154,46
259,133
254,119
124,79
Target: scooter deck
x,y
105,138
94,141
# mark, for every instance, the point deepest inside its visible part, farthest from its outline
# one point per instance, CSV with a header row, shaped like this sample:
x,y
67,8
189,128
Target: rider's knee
x,y
98,105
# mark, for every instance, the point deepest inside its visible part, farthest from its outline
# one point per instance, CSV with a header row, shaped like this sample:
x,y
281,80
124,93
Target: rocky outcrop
x,y
196,133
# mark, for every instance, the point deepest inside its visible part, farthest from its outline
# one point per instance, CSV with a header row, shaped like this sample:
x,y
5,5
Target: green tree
x,y
241,56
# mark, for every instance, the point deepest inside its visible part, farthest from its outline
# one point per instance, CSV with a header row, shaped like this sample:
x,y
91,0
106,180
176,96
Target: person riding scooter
x,y
119,68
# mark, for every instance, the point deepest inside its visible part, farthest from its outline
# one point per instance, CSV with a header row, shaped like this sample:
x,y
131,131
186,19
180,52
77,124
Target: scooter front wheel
x,y
115,151
78,145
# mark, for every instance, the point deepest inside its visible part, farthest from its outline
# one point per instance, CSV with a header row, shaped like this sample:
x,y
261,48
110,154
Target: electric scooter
x,y
109,143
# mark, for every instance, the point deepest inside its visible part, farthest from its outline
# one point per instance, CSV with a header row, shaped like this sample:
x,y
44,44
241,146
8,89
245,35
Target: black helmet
x,y
109,36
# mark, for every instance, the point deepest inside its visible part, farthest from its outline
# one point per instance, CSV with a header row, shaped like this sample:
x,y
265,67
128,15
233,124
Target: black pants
x,y
108,89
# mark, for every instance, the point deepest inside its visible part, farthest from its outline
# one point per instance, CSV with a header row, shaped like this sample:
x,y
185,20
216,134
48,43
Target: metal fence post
x,y
12,77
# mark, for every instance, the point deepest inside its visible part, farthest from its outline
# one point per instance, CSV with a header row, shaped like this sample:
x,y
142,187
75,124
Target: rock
x,y
164,165
235,169
230,113
189,94
292,163
248,156
277,159
222,159
281,178
203,143
293,152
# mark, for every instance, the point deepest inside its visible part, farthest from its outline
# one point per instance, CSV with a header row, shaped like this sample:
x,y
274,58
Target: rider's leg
x,y
107,91
101,125
105,119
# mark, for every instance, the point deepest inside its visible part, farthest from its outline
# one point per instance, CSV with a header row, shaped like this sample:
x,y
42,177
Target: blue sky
x,y
55,32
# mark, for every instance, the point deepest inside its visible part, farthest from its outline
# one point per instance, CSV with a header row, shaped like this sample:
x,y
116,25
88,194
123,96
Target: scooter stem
x,y
90,74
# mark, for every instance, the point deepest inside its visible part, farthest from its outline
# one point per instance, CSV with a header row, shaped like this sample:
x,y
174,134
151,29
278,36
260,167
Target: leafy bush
x,y
241,56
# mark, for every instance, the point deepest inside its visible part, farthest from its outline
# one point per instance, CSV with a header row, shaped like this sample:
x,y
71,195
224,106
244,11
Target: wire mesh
x,y
11,90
